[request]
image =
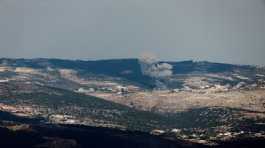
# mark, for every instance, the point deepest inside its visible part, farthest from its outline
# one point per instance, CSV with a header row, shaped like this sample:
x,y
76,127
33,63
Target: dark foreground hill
x,y
18,134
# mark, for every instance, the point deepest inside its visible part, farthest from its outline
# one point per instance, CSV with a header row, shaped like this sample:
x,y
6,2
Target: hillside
x,y
199,102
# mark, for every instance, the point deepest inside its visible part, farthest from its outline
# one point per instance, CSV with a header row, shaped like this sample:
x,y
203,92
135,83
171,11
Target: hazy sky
x,y
230,31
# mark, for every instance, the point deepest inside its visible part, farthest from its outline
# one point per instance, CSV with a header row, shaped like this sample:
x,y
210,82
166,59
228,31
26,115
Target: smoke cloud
x,y
151,67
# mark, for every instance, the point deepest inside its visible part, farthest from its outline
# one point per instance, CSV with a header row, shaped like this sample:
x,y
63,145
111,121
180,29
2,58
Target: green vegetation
x,y
59,101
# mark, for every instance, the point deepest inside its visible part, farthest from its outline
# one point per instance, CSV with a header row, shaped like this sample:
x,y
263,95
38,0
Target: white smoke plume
x,y
151,67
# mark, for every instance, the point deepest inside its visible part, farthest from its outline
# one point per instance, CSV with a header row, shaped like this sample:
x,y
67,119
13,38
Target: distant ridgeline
x,y
128,69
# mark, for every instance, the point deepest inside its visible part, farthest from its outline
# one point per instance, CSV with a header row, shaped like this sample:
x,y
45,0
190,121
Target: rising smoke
x,y
151,67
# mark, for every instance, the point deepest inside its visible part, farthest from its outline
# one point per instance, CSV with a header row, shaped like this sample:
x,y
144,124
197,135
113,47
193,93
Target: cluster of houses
x,y
221,88
119,89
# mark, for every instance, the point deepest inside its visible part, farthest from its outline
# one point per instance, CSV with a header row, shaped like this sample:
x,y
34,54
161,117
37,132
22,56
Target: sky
x,y
227,31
